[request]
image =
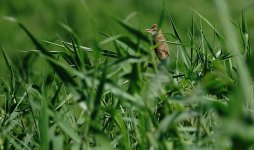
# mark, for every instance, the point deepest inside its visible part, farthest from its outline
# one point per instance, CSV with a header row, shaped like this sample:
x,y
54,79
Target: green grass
x,y
116,94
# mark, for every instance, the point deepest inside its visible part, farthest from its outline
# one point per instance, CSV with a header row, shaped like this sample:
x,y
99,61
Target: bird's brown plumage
x,y
162,49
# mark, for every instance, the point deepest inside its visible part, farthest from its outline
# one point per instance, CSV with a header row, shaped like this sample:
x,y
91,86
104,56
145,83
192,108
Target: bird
x,y
162,49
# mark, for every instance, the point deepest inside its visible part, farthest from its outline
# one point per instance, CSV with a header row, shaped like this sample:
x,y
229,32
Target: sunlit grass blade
x,y
59,45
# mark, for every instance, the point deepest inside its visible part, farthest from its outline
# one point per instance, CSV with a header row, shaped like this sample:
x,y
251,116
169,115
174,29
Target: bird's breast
x,y
162,49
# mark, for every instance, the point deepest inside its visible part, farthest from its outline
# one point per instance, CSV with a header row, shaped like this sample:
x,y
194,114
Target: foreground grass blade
x,y
10,69
43,125
233,45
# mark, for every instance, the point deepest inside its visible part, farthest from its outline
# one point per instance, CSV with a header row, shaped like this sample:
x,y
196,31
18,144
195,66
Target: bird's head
x,y
153,30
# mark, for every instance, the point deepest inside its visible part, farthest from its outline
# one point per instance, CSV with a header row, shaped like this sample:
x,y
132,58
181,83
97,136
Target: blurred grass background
x,y
88,18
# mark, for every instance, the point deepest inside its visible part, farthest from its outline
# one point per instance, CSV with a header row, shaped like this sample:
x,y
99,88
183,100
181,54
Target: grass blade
x,y
132,30
233,44
188,63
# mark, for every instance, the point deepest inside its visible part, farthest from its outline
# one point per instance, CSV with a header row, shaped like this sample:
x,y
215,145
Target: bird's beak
x,y
148,30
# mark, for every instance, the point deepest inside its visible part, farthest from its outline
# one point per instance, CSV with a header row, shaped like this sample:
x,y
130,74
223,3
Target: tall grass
x,y
116,94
